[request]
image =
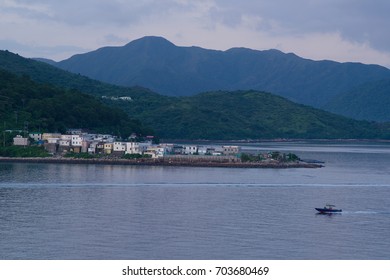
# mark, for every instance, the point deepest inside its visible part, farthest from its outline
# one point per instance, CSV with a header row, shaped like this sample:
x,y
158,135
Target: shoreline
x,y
166,162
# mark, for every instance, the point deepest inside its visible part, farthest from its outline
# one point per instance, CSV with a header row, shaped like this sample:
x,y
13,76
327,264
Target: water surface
x,y
59,211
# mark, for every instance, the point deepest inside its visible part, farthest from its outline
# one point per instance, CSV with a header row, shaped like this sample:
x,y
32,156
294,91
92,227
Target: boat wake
x,y
365,212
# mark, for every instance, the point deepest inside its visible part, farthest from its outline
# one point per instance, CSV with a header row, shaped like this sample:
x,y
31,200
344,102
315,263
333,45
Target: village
x,y
78,146
76,141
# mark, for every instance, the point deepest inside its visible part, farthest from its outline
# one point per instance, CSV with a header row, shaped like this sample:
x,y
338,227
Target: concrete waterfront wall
x,y
166,162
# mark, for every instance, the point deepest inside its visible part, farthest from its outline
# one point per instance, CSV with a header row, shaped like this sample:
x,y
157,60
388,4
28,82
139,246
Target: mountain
x,y
212,115
370,101
156,63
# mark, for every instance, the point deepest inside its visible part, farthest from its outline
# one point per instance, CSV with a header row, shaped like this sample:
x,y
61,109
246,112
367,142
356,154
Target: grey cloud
x,y
112,12
114,39
355,20
40,51
24,12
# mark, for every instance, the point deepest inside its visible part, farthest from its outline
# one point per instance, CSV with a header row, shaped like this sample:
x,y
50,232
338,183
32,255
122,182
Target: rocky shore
x,y
165,162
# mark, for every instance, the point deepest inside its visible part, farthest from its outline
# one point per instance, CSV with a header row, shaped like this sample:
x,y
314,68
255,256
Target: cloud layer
x,y
342,30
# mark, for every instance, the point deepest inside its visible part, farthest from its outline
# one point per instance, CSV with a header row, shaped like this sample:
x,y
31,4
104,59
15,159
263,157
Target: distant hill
x,y
370,101
42,72
27,104
246,114
156,63
45,60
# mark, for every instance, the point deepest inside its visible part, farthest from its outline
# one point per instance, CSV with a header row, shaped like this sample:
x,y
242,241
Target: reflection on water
x,y
119,212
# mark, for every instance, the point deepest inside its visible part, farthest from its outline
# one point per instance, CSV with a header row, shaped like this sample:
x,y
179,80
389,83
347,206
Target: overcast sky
x,y
341,30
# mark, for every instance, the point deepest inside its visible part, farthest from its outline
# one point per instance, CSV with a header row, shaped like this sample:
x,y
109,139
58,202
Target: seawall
x,y
165,162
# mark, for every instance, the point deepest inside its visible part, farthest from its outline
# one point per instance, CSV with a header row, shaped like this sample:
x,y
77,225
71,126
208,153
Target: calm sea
x,y
54,211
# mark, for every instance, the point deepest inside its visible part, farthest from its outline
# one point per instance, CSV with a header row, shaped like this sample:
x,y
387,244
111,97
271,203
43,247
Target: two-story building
x,y
190,149
119,148
108,147
133,148
202,150
100,147
76,140
37,136
231,150
64,145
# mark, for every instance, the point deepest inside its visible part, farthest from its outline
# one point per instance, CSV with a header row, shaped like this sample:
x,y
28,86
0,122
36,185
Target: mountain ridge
x,y
158,64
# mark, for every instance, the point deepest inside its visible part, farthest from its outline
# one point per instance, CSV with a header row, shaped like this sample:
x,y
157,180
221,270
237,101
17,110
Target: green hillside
x,y
44,73
246,114
27,104
370,101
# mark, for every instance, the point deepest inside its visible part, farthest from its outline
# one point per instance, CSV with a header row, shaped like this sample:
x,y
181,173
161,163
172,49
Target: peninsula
x,y
78,147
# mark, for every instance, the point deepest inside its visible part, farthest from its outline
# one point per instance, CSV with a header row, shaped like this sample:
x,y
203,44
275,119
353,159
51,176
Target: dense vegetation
x,y
246,114
25,104
47,74
370,101
281,157
17,151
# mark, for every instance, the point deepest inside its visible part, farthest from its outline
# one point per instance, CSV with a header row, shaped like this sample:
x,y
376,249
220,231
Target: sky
x,y
340,30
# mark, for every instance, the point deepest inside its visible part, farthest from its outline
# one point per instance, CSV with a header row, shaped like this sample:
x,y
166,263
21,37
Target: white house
x,y
119,147
65,142
75,131
125,98
132,148
66,137
104,138
202,150
231,150
190,150
155,151
77,140
37,136
53,140
21,141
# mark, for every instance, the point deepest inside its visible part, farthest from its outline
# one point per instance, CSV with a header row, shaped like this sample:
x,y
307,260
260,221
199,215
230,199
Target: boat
x,y
329,209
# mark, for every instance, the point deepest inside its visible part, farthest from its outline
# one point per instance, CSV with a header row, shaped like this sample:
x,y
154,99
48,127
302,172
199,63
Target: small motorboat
x,y
329,209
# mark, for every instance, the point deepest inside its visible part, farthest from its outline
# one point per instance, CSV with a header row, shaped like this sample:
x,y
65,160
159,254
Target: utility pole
x,y
16,117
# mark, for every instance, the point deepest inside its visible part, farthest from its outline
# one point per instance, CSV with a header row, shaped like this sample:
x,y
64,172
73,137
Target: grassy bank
x,y
24,152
